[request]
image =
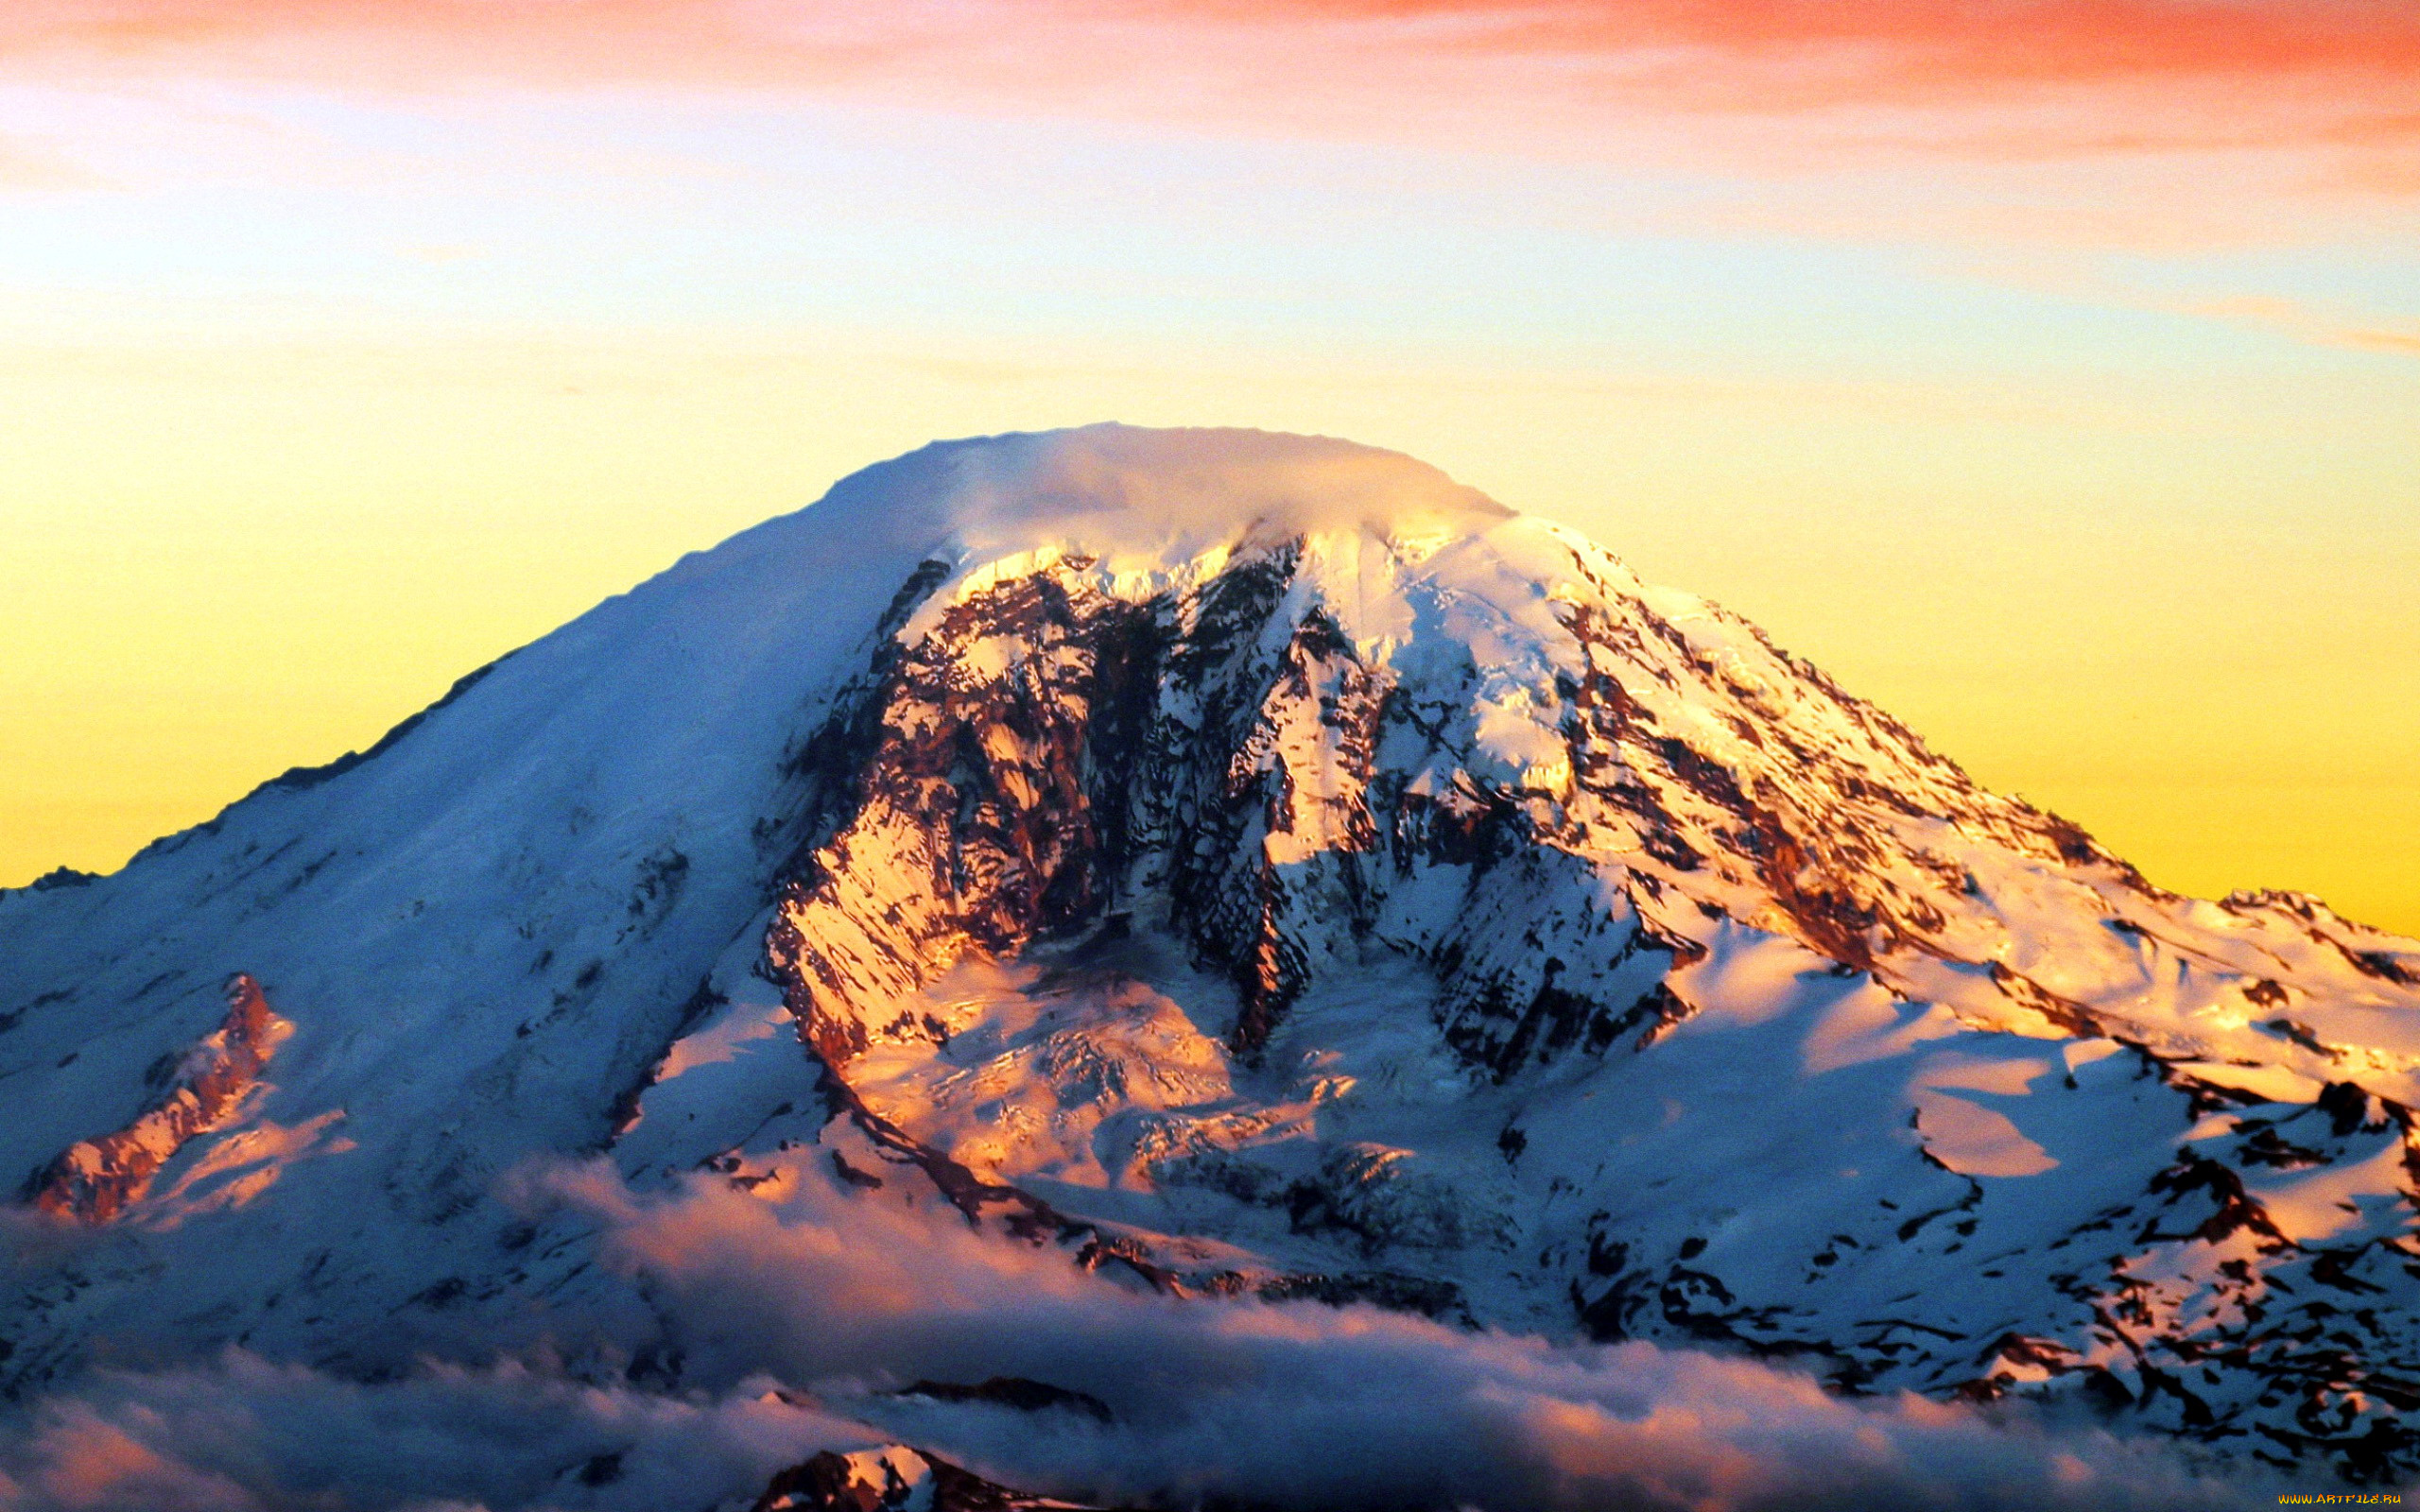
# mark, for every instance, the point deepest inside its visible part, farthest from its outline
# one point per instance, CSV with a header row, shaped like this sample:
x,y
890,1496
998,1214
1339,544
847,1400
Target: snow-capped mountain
x,y
1252,866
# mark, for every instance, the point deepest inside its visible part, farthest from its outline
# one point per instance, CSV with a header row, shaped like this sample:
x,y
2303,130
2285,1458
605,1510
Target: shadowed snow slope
x,y
1253,869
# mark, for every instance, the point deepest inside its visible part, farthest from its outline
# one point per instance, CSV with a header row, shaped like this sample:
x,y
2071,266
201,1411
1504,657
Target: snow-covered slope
x,y
1260,866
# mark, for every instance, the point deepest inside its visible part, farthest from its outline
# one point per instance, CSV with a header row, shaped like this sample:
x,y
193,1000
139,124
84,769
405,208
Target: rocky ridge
x,y
1555,843
92,1180
1259,868
895,1478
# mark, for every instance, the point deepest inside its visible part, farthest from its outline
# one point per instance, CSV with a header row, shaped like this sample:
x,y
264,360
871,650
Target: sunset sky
x,y
2049,372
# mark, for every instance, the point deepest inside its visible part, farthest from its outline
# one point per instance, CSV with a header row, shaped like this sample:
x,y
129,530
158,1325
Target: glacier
x,y
1240,873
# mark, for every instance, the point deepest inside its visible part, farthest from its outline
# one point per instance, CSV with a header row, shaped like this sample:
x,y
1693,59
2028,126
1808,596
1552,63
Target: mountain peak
x,y
1118,489
1264,870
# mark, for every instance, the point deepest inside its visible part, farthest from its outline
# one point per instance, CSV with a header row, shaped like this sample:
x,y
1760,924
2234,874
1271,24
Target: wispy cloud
x,y
2138,123
35,165
2320,325
2018,76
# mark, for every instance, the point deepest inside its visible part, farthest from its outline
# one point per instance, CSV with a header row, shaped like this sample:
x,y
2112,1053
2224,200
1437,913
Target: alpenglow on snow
x,y
1251,870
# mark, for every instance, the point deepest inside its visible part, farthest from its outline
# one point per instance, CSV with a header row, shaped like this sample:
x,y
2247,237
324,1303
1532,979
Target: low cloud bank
x,y
241,1435
795,1317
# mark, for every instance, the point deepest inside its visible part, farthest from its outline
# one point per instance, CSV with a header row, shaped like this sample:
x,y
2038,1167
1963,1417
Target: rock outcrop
x,y
93,1180
894,1479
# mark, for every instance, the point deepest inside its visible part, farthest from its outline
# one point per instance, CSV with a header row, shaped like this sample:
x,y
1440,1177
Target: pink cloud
x,y
77,1459
2020,76
1293,1404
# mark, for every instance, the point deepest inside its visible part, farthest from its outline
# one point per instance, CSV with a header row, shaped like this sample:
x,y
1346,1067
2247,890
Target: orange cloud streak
x,y
2099,75
1926,46
2306,322
2070,124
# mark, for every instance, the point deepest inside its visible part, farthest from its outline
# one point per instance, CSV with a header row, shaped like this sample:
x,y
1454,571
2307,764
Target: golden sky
x,y
2049,373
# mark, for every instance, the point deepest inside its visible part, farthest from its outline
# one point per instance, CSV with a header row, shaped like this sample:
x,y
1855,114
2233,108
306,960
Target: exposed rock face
x,y
892,1479
1261,869
1561,811
93,1179
1219,758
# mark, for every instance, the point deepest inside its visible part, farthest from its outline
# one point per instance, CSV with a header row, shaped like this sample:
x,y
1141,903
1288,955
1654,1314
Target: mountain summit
x,y
1247,867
